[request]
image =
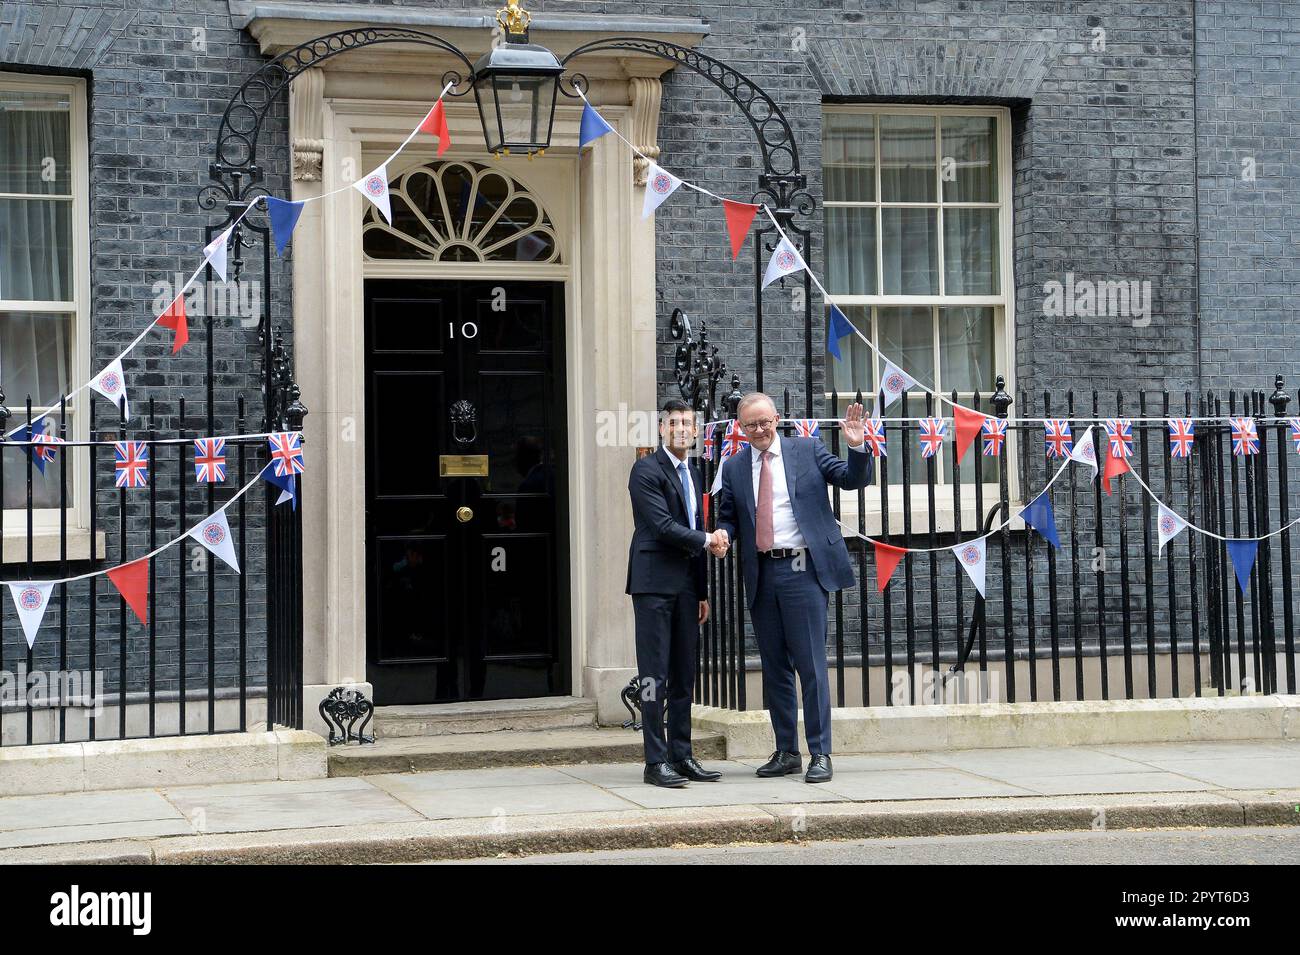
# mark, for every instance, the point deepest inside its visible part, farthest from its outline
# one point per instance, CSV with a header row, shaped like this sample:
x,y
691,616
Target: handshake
x,y
718,543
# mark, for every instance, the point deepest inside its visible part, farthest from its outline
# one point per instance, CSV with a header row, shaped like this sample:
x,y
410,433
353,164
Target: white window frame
x,y
1003,304
46,521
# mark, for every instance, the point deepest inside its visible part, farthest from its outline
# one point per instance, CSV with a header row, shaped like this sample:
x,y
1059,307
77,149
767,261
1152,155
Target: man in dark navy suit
x,y
773,501
666,578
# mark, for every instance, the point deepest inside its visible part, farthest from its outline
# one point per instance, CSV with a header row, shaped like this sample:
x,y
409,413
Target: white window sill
x,y
45,545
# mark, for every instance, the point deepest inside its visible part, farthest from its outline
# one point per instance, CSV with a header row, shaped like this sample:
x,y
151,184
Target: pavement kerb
x,y
660,828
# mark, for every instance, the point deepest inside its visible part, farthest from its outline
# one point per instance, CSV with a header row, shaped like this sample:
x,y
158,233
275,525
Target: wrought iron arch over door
x,y
461,211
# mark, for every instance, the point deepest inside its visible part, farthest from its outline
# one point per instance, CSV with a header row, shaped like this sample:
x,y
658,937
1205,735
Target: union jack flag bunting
x,y
806,428
132,463
733,440
1245,438
995,432
1059,437
873,435
210,460
43,447
709,443
1181,437
286,453
1119,435
933,431
1295,433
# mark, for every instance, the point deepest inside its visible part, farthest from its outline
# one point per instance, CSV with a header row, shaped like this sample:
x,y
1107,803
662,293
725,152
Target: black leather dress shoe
x,y
691,769
781,764
662,774
819,769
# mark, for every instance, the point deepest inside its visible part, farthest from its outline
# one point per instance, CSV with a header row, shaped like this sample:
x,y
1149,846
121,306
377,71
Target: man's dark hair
x,y
674,404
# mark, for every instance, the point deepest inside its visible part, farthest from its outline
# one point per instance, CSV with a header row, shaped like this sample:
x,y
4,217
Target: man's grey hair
x,y
753,398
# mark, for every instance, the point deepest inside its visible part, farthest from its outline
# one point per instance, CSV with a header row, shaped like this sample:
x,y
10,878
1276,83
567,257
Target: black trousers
x,y
667,634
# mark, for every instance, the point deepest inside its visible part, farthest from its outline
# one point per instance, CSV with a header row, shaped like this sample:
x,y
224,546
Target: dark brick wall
x,y
1248,63
154,105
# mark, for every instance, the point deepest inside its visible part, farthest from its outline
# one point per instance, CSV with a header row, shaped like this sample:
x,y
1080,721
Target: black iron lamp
x,y
514,86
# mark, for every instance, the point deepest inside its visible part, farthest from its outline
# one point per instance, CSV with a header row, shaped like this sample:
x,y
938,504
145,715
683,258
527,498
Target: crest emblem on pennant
x,y
1168,525
970,554
31,599
662,184
375,186
895,384
214,534
110,383
785,260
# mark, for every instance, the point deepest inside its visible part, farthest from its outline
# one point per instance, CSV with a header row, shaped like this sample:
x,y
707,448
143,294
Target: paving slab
x,y
490,801
84,809
1238,772
1082,783
288,809
750,791
918,784
1045,761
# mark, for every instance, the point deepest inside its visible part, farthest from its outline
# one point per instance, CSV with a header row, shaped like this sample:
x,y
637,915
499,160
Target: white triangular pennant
x,y
1168,526
893,382
214,253
659,185
375,188
31,601
1083,452
214,534
971,557
785,259
111,383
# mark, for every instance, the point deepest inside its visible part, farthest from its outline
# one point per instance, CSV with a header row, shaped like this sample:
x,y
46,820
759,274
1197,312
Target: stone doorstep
x,y
164,761
886,729
662,828
485,716
552,747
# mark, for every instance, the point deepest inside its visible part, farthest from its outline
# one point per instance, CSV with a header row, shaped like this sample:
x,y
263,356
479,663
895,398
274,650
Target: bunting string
x,y
157,550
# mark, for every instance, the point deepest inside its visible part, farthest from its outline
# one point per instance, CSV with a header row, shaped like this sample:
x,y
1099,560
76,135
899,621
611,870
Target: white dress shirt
x,y
785,529
676,462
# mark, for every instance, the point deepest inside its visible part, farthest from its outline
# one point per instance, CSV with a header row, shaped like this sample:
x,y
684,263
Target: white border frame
x,y
46,520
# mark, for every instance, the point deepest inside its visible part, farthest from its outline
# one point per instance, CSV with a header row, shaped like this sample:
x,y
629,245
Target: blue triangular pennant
x,y
1243,559
1038,515
284,216
593,126
287,485
836,328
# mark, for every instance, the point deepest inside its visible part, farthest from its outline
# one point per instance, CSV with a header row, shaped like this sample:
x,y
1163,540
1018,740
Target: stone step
x,y
555,747
485,716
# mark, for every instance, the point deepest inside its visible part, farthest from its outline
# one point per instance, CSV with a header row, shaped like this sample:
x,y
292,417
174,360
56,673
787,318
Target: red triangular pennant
x,y
174,318
435,124
1114,468
887,558
740,216
968,424
132,582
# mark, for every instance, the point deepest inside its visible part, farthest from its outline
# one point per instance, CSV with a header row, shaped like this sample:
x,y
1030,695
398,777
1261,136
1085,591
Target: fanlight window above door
x,y
460,212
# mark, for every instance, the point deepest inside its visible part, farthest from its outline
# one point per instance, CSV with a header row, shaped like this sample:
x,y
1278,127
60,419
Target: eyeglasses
x,y
762,424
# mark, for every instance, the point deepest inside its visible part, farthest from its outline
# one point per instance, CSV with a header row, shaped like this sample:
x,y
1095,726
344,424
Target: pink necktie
x,y
763,519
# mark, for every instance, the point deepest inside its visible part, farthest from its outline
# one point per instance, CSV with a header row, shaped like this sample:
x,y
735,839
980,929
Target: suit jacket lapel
x,y
745,460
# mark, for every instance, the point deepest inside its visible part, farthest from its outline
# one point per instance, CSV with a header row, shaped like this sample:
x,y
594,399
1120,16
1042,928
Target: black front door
x,y
466,503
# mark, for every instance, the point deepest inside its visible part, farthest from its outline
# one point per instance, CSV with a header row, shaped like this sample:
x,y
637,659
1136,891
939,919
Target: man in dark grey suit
x,y
666,578
773,501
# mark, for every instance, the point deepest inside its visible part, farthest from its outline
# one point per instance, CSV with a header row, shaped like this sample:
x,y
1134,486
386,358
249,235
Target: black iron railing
x,y
1106,616
218,651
